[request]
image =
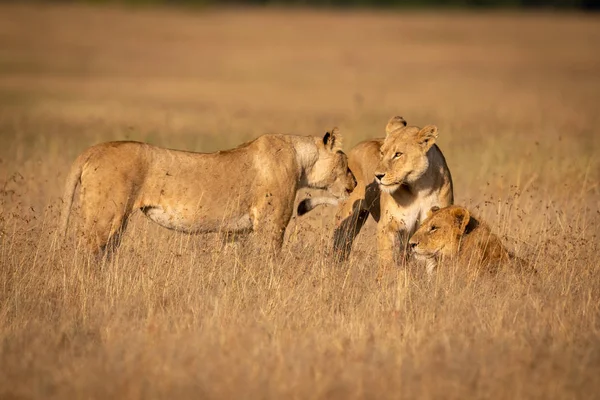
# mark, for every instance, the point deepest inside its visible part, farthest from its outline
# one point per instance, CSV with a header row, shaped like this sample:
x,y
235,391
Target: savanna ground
x,y
516,98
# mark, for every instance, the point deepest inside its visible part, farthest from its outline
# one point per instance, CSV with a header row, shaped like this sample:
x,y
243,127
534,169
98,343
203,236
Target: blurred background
x,y
562,4
506,84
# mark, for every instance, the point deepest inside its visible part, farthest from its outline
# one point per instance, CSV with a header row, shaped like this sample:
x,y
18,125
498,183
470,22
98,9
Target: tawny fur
x,y
409,184
453,234
249,188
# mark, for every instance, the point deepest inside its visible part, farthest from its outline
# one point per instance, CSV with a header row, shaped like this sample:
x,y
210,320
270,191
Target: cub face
x,y
331,170
404,154
440,234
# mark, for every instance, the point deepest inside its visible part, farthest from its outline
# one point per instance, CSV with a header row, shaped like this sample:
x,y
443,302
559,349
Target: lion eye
x,y
433,228
397,155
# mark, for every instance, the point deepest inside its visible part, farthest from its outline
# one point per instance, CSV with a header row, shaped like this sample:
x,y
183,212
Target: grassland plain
x,y
516,98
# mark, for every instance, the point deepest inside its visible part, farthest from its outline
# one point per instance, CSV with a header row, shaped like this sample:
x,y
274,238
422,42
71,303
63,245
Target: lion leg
x,y
348,228
350,217
118,227
103,226
267,238
271,217
388,234
102,237
402,253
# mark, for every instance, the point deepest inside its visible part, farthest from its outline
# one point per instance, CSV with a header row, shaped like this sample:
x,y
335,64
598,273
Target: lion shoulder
x,y
484,246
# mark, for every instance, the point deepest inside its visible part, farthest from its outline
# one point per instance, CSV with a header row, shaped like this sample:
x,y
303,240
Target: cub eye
x,y
398,154
380,153
433,228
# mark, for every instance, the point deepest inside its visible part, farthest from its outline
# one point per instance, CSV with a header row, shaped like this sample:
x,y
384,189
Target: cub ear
x,y
461,216
333,140
432,211
427,136
394,123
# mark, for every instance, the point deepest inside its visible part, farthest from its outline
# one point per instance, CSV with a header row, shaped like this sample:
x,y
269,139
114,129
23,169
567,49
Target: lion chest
x,y
408,211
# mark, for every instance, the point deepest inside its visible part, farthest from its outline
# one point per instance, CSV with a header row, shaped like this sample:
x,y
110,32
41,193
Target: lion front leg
x,y
270,219
350,218
269,238
389,243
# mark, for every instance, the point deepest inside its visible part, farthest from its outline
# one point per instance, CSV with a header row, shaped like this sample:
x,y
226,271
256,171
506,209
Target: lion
x,y
452,233
399,179
251,188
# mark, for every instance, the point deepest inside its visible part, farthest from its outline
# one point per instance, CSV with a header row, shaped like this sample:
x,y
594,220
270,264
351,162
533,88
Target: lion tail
x,y
307,205
73,179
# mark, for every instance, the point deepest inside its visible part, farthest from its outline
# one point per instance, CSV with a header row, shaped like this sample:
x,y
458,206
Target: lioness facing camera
x,y
248,188
399,179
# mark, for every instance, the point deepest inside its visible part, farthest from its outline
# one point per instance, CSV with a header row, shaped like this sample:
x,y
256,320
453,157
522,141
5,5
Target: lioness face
x,y
439,235
404,154
331,170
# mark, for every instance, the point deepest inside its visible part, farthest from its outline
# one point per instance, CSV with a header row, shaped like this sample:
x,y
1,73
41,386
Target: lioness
x,y
249,188
452,233
399,179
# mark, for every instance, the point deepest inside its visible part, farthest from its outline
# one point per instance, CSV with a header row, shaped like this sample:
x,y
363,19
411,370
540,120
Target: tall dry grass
x,y
171,315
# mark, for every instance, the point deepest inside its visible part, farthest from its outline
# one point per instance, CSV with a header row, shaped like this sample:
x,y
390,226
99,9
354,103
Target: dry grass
x,y
516,99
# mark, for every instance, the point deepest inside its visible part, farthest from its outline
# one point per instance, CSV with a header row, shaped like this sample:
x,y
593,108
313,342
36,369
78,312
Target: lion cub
x,y
453,233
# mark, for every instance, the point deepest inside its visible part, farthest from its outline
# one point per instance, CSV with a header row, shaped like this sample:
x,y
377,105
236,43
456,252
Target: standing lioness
x,y
249,188
413,177
399,179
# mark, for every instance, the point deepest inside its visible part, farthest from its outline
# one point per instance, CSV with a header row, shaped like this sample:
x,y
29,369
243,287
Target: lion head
x,y
440,234
404,154
331,171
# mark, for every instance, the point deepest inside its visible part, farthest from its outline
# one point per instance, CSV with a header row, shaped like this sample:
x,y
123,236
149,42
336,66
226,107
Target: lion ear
x,y
394,123
427,136
432,211
462,217
333,140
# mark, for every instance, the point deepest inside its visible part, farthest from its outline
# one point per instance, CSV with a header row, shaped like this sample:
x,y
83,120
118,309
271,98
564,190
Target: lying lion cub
x,y
453,233
249,188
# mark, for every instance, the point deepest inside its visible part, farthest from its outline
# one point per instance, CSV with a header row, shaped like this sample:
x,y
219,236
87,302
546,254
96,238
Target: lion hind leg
x,y
347,230
103,230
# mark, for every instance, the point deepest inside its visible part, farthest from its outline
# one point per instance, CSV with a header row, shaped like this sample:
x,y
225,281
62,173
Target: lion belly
x,y
180,220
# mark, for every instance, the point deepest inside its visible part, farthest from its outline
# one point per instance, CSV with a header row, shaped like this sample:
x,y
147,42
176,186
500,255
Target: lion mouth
x,y
427,254
389,188
392,187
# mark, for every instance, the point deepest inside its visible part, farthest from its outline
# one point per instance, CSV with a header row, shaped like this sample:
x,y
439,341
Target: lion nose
x,y
379,176
412,245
